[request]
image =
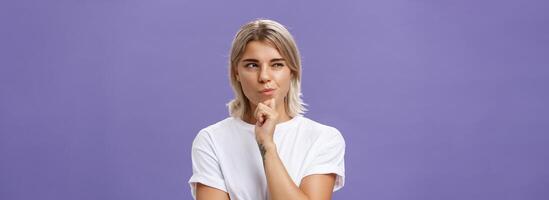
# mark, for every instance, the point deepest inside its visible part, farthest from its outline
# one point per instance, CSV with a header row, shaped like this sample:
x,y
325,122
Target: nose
x,y
264,74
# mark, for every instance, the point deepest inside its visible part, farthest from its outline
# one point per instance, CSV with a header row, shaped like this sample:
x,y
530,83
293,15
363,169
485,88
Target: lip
x,y
268,91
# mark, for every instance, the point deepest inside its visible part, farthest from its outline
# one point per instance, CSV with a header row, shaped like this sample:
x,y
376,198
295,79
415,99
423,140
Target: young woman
x,y
266,149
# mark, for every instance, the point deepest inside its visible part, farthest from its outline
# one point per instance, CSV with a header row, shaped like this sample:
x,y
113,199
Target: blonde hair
x,y
276,34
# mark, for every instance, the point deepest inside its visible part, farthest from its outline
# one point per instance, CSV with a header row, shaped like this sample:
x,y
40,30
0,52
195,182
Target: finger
x,y
260,119
259,115
257,110
265,111
272,103
269,103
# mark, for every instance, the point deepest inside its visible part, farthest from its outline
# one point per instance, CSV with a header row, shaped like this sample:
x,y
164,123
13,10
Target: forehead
x,y
260,50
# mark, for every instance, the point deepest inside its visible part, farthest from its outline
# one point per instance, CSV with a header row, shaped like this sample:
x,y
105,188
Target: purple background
x,y
436,99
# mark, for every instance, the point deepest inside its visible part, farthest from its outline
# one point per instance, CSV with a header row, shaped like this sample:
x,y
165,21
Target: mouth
x,y
268,91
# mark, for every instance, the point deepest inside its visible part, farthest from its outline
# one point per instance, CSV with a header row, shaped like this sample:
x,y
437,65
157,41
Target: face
x,y
262,67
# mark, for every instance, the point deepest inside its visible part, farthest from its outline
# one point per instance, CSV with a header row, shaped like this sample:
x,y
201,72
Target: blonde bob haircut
x,y
274,33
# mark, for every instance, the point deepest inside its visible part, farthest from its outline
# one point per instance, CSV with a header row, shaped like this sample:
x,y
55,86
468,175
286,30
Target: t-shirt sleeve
x,y
329,157
206,168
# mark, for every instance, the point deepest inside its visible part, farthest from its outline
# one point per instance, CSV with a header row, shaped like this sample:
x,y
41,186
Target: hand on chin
x,y
267,117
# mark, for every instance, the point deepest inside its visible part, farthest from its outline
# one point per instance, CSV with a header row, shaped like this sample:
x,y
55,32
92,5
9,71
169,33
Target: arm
x,y
207,181
280,184
318,186
204,192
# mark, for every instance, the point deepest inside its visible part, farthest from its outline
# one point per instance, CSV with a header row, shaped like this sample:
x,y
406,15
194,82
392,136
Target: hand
x,y
267,117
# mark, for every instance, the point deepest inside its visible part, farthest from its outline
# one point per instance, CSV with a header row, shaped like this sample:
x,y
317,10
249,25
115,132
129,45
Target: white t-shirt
x,y
225,155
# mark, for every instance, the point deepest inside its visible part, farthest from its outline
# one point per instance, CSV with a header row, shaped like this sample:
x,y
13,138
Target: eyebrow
x,y
255,60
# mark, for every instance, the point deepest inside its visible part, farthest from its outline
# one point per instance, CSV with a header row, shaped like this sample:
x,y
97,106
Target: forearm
x,y
280,184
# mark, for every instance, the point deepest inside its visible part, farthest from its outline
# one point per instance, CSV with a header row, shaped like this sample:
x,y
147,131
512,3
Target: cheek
x,y
284,83
245,86
248,88
286,87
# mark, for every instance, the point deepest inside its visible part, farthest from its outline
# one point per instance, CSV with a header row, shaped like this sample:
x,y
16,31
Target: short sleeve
x,y
206,168
328,157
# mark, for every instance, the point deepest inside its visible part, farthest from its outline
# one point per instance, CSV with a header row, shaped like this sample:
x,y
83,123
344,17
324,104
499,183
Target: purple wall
x,y
436,99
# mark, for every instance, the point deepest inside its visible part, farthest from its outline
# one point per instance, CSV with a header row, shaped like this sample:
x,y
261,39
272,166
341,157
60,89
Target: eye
x,y
250,65
278,65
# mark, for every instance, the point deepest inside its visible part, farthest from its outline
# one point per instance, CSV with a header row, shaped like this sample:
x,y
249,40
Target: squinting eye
x,y
279,65
250,64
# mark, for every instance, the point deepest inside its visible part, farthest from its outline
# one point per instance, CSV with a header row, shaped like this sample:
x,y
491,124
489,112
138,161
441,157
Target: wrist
x,y
267,149
269,146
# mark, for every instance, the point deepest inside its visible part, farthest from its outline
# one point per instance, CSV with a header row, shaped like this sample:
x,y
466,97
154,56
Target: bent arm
x,y
204,192
281,185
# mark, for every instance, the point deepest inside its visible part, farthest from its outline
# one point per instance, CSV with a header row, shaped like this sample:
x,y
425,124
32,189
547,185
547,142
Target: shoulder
x,y
220,125
323,132
217,128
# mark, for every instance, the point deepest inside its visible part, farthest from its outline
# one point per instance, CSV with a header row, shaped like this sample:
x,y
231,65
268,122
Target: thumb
x,y
272,103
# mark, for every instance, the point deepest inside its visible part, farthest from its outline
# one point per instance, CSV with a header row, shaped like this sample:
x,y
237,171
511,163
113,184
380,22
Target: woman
x,y
266,149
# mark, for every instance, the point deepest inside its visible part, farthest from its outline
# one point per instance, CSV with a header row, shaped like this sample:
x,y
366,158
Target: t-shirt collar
x,y
280,126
